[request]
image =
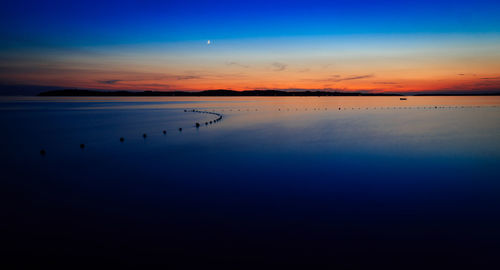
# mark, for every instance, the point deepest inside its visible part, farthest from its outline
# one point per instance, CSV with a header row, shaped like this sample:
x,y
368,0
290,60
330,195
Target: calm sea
x,y
279,181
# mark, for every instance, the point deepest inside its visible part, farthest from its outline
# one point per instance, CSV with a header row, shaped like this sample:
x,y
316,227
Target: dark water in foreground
x,y
279,181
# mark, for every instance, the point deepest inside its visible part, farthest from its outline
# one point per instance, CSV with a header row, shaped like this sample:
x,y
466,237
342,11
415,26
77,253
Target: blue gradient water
x,y
278,181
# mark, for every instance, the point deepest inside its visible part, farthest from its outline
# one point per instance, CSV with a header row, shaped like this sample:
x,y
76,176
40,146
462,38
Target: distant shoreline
x,y
207,93
227,93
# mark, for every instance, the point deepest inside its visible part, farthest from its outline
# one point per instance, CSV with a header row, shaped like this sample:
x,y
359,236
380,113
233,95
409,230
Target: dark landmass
x,y
460,94
24,90
208,93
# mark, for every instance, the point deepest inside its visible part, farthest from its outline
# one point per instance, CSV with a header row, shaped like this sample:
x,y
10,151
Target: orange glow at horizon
x,y
377,64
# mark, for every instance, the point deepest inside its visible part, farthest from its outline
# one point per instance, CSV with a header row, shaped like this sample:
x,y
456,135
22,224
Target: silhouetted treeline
x,y
461,94
75,92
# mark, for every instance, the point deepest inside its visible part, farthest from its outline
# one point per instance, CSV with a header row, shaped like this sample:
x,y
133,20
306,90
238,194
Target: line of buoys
x,y
369,108
164,131
394,108
219,116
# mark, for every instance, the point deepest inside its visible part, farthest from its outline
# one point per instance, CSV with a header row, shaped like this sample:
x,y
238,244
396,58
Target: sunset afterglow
x,y
231,45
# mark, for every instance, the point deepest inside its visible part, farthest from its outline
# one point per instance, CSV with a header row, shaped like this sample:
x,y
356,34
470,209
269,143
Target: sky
x,y
370,46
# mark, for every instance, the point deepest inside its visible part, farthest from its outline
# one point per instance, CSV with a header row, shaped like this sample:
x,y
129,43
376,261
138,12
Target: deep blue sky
x,y
77,23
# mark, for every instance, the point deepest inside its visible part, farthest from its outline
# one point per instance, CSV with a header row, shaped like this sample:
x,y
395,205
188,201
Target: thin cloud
x,y
491,78
355,78
338,78
109,81
488,85
140,77
236,64
385,83
279,66
495,84
187,77
156,86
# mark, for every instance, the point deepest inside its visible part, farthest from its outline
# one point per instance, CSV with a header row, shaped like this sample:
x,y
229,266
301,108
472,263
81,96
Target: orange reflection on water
x,y
275,103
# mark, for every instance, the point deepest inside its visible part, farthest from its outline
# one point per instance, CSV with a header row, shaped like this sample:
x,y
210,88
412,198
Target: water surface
x,y
343,181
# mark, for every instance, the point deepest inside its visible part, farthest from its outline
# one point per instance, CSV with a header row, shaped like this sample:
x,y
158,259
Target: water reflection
x,y
287,180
